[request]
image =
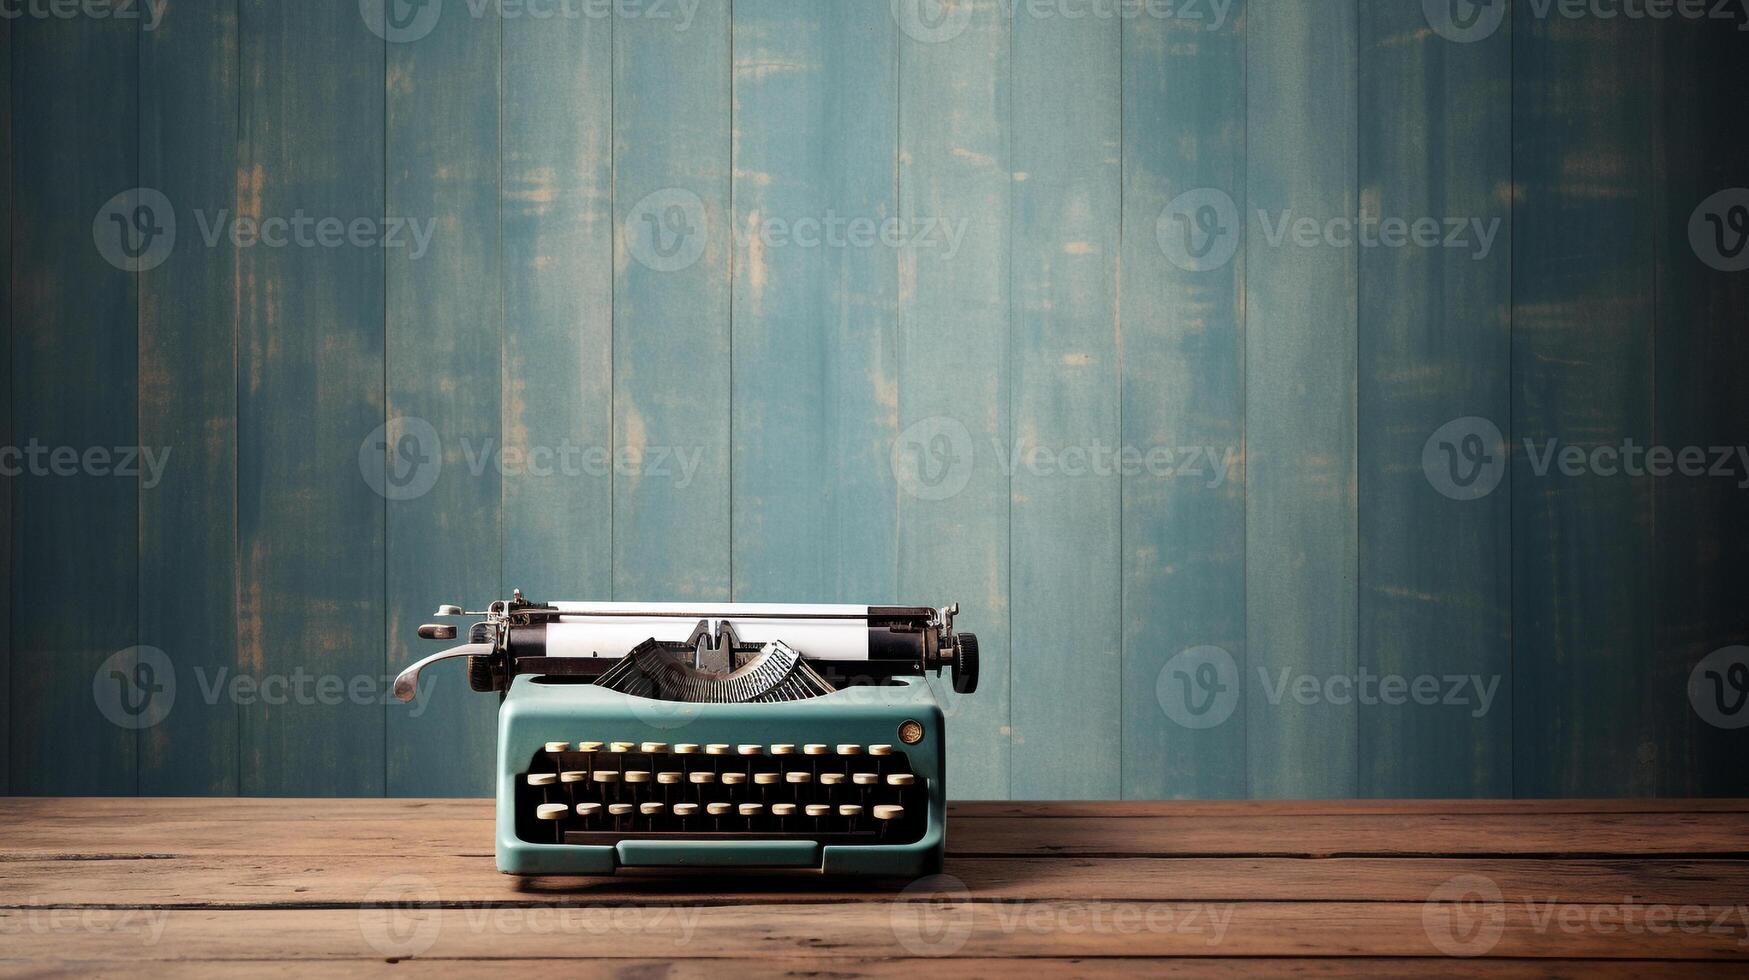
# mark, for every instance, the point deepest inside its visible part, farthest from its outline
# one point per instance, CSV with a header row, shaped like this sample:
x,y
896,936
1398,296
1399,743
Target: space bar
x,y
719,854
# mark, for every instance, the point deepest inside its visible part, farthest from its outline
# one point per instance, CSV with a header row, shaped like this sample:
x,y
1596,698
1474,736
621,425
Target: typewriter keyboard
x,y
606,792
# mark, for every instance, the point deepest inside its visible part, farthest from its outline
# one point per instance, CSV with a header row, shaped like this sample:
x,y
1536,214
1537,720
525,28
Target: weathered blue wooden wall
x,y
1037,306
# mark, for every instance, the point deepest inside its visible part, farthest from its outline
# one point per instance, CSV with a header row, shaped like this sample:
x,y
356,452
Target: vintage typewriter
x,y
665,735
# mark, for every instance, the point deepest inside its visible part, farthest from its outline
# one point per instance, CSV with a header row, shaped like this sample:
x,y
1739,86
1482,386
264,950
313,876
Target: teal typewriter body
x,y
737,736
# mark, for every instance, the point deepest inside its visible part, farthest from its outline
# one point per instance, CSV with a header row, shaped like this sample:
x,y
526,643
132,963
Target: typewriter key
x,y
554,748
783,749
637,776
849,750
542,778
551,811
865,779
588,809
716,748
650,809
573,776
831,778
701,778
880,750
798,777
901,779
589,746
667,778
750,749
606,776
814,749
621,746
766,778
653,747
889,812
686,748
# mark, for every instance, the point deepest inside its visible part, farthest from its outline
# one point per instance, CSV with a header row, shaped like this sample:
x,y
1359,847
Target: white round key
x,y
765,778
849,750
667,778
653,747
619,809
880,750
716,809
751,809
749,749
589,746
798,777
685,809
849,810
557,746
734,778
783,749
551,811
588,809
701,778
818,809
573,776
865,779
621,746
814,749
782,809
542,778
716,748
900,779
831,778
637,776
888,812
650,809
605,776
686,748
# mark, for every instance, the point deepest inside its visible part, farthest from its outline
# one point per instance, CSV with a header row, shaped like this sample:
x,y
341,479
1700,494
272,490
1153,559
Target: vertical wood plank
x,y
671,327
188,403
73,383
557,386
310,394
1300,387
1581,345
1434,322
1183,343
442,347
1701,355
815,288
953,357
1066,561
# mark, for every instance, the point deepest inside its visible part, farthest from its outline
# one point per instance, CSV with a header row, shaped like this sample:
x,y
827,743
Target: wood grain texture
x,y
1183,352
953,326
320,888
188,86
310,395
443,335
815,296
1300,520
558,282
1434,347
671,306
1582,281
1699,401
72,385
1065,516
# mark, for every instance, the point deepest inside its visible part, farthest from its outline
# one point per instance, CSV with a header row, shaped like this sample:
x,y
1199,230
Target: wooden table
x,y
228,887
